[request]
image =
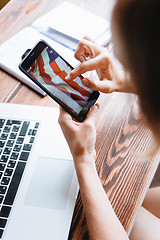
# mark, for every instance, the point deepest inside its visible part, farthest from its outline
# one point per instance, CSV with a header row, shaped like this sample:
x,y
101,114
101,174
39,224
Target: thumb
x,y
92,113
104,86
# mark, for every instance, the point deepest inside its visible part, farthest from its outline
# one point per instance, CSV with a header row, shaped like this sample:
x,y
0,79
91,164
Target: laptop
x,y
3,3
38,183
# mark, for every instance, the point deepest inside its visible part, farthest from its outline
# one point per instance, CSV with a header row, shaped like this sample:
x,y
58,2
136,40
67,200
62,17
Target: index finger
x,y
86,66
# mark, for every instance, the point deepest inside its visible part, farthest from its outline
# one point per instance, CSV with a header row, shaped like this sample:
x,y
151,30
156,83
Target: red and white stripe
x,y
52,77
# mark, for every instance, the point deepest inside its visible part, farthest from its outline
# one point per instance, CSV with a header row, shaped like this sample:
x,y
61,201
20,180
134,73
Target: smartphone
x,y
48,70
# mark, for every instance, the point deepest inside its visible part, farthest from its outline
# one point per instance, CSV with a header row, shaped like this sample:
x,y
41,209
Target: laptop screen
x,y
3,3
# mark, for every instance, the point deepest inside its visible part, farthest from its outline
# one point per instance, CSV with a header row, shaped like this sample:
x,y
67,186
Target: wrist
x,y
86,170
123,83
85,161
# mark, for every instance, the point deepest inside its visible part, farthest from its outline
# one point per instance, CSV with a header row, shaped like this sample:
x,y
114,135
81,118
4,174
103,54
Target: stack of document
x,y
69,23
62,28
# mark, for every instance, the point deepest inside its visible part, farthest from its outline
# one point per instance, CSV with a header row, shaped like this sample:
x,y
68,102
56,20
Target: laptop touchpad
x,y
50,183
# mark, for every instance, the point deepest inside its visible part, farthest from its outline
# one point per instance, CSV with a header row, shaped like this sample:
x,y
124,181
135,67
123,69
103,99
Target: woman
x,y
135,37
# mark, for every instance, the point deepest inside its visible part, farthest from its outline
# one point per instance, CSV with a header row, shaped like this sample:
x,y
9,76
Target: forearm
x,y
152,201
146,226
101,220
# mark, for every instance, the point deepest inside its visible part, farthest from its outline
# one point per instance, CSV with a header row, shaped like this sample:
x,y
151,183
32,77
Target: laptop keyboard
x,y
16,140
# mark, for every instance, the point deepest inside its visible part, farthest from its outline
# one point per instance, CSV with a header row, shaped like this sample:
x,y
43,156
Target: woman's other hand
x,y
95,57
81,137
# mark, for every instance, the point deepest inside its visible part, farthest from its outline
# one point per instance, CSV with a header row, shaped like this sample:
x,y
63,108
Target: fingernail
x,y
67,77
85,82
95,107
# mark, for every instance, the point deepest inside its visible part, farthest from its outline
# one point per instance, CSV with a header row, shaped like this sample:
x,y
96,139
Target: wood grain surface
x,y
125,172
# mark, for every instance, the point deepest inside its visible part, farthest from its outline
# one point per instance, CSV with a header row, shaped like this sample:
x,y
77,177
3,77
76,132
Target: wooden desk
x,y
120,132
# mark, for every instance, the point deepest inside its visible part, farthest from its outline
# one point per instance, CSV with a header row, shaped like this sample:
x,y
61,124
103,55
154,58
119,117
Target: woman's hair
x,y
138,22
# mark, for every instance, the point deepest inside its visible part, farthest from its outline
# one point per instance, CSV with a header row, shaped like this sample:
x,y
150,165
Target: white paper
x,y
13,49
69,23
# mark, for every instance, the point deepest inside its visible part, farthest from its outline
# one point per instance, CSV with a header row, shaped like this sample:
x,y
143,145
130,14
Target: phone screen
x,y
50,70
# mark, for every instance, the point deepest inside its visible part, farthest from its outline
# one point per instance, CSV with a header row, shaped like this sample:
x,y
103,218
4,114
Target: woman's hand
x,y
99,60
81,137
95,57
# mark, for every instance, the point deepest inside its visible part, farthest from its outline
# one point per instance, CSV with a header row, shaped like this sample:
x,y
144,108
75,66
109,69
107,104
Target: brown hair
x,y
138,22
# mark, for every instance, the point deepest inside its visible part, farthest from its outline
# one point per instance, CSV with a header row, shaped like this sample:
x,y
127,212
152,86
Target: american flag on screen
x,y
50,70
